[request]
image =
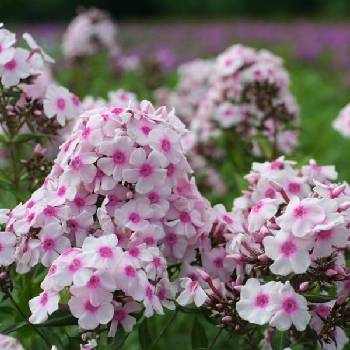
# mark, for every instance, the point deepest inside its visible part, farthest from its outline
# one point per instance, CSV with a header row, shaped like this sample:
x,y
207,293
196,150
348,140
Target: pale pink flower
x,y
151,302
147,172
7,51
52,242
289,253
257,302
78,226
42,306
81,168
192,292
91,316
122,316
301,216
262,211
7,248
9,343
118,153
291,308
15,69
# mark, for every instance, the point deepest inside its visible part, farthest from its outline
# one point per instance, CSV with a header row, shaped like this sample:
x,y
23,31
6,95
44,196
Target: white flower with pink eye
x,y
257,302
122,316
42,306
290,308
147,171
192,292
134,214
289,253
184,217
117,154
318,172
159,200
139,129
81,168
262,211
175,245
166,292
10,343
166,142
96,288
52,242
228,114
63,191
15,69
101,252
59,103
213,263
7,51
328,239
131,278
151,302
7,248
232,221
77,227
301,216
91,316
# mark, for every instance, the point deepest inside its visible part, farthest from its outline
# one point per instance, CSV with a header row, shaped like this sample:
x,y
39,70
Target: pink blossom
x,y
7,248
42,306
122,316
192,292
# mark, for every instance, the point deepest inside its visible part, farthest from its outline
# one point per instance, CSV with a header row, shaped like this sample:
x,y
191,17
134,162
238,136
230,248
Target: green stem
x,y
165,328
211,346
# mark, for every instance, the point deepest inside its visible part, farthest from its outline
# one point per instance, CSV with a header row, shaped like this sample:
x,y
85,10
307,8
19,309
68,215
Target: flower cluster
x,y
290,231
89,32
9,343
249,95
342,122
117,211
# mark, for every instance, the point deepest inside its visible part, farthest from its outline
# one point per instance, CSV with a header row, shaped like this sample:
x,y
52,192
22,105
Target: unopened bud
x,y
331,272
304,286
227,319
263,258
129,195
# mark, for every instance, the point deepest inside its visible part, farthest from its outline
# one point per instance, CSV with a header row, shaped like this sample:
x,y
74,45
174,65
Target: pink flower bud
x,y
304,286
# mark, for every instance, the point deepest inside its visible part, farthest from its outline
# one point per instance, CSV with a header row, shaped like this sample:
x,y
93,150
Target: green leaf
x,y
4,138
198,336
15,327
21,138
144,335
60,318
118,340
279,340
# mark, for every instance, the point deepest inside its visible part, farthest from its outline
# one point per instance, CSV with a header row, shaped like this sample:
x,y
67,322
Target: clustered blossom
x,y
117,210
9,343
286,236
249,94
89,32
342,122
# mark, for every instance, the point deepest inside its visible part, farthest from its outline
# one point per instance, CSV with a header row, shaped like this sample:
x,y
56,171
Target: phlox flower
x,y
7,39
91,316
122,315
263,210
291,308
101,252
289,253
213,263
257,302
191,292
7,248
151,302
52,242
9,343
42,306
301,216
77,227
81,168
147,171
15,69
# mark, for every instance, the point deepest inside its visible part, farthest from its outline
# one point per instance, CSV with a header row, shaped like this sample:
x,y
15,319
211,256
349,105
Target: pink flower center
x,y
74,265
156,262
44,299
149,240
86,132
153,197
134,218
50,211
276,165
130,271
227,219
79,202
61,191
90,308
257,207
146,170
294,187
171,170
105,252
11,65
166,145
61,103
185,217
119,157
270,193
288,248
49,244
94,282
262,300
117,110
324,235
134,252
290,305
30,204
119,315
218,262
300,211
30,217
52,269
75,101
76,163
146,129
149,292
171,239
193,286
